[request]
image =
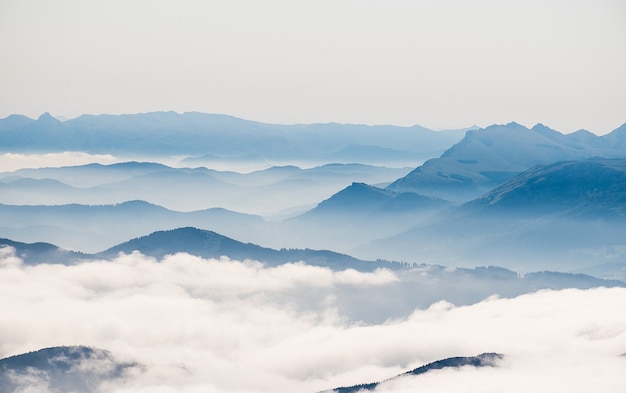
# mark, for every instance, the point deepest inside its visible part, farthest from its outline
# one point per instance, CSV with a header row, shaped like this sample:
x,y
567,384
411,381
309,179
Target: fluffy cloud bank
x,y
230,326
14,161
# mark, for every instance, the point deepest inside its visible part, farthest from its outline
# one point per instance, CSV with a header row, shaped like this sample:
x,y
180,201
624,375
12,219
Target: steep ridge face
x,y
595,187
488,157
359,213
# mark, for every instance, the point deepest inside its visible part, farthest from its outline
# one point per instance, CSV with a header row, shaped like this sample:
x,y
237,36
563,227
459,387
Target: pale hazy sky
x,y
439,63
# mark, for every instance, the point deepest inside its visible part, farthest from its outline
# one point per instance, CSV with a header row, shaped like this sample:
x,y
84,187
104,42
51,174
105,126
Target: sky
x,y
440,64
206,325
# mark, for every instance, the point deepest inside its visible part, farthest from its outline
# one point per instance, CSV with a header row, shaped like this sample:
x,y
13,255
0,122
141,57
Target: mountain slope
x,y
34,253
208,244
563,216
487,157
91,228
595,187
482,360
74,369
359,213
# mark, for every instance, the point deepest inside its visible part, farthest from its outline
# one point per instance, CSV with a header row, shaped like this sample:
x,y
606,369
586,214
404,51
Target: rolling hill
x,y
208,244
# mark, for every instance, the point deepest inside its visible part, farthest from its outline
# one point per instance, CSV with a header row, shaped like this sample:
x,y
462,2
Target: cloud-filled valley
x,y
221,325
172,277
330,197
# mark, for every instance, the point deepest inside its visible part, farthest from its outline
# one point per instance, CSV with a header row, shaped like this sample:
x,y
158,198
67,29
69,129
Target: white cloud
x,y
229,326
14,161
519,374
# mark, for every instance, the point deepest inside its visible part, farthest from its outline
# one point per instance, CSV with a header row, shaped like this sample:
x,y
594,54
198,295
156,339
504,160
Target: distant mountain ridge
x,y
266,191
360,213
208,244
486,158
91,228
198,242
568,215
193,133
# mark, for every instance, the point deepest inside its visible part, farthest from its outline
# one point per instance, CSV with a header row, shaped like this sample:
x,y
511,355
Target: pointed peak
x,y
48,118
539,127
515,125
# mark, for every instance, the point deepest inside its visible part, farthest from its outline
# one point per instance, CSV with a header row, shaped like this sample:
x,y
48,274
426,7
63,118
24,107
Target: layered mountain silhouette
x,y
91,228
563,215
67,369
360,213
198,242
221,136
486,158
594,188
278,188
35,253
208,244
482,360
457,285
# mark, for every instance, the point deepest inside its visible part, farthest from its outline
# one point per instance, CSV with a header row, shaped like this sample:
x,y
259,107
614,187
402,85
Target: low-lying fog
x,y
200,325
272,189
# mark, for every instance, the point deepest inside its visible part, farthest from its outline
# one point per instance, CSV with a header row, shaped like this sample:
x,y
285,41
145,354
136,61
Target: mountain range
x,y
91,228
565,215
275,190
211,136
208,244
486,158
506,195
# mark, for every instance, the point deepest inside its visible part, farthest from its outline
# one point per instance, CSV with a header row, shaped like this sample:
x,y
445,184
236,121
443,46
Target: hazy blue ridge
x,y
486,158
208,244
566,216
192,133
595,188
268,191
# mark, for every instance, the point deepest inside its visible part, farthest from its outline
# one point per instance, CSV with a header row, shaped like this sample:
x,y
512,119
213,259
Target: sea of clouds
x,y
207,325
15,161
